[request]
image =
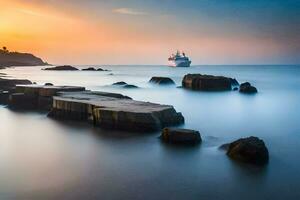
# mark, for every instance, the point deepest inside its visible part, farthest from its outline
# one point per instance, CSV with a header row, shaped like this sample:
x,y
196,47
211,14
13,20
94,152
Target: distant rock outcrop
x,y
207,82
250,150
62,68
180,136
89,69
124,85
161,80
8,59
247,88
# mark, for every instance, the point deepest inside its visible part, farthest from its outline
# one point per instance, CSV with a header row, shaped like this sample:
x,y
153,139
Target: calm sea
x,y
41,158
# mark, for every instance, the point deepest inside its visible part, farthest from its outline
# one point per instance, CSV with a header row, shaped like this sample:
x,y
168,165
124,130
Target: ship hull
x,y
180,63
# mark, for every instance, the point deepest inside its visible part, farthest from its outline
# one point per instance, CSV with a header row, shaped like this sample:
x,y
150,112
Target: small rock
x,y
250,150
247,88
48,84
130,86
180,136
62,68
120,83
235,88
161,80
89,69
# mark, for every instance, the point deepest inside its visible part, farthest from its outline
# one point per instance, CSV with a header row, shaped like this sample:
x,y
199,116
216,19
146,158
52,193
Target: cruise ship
x,y
179,60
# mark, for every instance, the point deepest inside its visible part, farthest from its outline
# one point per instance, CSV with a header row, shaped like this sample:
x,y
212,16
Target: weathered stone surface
x,y
207,82
114,111
161,80
89,69
250,150
180,136
10,84
247,88
22,101
4,96
62,68
40,96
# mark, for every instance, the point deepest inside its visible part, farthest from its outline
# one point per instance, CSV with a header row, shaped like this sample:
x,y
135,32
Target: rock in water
x,y
62,68
180,136
89,69
129,86
161,80
247,88
207,82
120,83
250,150
48,84
114,111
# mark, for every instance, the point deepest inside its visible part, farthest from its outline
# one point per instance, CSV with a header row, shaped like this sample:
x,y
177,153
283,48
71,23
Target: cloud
x,y
128,11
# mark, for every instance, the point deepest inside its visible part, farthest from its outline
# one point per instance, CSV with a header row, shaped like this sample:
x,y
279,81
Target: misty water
x,y
41,158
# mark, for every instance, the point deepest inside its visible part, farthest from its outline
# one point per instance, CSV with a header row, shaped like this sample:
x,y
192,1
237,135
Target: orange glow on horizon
x,y
73,38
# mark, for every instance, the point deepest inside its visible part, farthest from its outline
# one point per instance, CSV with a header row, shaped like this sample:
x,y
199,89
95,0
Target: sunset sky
x,y
147,32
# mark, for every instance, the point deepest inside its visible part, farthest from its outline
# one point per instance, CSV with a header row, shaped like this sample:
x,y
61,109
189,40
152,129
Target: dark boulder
x,y
48,84
62,68
89,69
161,80
206,82
120,83
247,88
235,88
249,150
180,136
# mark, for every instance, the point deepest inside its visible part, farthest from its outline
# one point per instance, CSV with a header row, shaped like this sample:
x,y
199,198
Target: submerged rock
x,y
161,80
250,150
207,82
48,84
89,69
62,68
247,88
180,136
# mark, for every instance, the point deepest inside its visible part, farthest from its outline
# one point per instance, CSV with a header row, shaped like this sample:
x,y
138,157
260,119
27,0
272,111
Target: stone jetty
x,y
114,111
208,82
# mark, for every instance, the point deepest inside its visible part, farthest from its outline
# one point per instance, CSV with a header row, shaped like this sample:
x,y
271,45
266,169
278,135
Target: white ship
x,y
179,60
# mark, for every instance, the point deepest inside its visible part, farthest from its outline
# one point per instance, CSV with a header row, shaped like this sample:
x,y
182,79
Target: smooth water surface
x,y
41,158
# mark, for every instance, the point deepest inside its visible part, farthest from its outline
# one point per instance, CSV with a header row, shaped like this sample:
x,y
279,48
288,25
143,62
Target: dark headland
x,y
9,58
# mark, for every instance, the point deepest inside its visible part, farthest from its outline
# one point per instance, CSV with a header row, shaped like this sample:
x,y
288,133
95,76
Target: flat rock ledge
x,y
250,150
161,80
114,111
36,96
180,136
208,82
62,68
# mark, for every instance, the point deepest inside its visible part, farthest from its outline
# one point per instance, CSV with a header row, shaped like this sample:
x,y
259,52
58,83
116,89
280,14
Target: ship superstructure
x,y
179,60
